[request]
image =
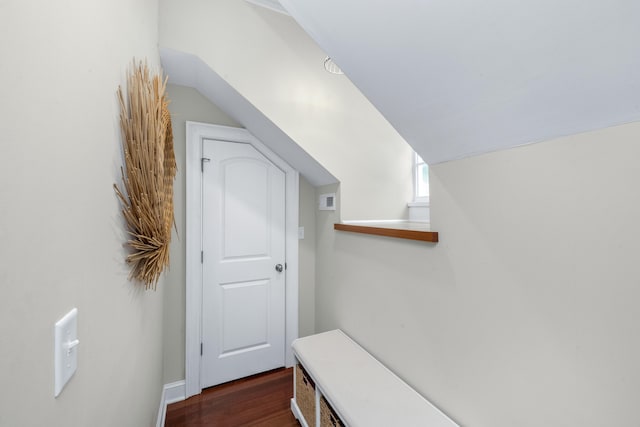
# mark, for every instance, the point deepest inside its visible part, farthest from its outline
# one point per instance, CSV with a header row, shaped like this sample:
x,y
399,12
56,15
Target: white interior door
x,y
243,289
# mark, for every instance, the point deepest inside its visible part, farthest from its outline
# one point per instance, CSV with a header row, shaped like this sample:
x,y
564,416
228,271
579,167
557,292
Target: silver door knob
x,y
279,268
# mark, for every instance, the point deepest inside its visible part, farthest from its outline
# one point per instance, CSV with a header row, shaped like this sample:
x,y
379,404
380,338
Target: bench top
x,y
362,390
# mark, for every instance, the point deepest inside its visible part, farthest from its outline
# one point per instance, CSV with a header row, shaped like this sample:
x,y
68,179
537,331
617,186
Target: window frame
x,y
417,161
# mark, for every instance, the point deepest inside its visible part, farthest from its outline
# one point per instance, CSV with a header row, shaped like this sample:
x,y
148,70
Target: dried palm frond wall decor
x,y
150,168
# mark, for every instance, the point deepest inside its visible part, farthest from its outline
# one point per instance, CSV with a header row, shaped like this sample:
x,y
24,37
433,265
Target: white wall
x,y
307,259
186,105
189,105
525,313
61,231
272,62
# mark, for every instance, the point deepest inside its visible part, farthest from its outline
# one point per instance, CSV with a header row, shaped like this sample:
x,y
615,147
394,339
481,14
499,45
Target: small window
x,y
420,179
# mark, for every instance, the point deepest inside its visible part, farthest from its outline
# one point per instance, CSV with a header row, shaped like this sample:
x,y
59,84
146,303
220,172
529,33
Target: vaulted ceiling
x,y
186,69
263,70
459,78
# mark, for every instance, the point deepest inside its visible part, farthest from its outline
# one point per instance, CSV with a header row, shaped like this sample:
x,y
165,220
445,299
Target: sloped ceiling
x,y
188,70
458,78
262,69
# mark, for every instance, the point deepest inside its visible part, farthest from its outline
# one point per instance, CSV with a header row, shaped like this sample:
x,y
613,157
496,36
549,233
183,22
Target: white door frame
x,y
196,133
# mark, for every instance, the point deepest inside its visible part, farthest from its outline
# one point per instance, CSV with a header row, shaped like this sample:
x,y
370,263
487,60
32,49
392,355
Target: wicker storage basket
x,y
306,395
328,417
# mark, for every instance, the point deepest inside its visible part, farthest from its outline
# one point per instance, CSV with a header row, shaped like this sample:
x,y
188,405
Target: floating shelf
x,y
399,229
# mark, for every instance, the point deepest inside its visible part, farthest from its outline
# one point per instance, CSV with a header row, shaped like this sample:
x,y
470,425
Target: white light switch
x,y
65,349
300,233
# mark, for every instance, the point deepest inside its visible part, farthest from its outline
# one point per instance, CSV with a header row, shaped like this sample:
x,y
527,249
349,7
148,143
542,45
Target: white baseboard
x,y
171,393
297,413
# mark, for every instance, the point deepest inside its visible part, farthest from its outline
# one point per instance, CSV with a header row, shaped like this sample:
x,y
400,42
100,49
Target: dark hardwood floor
x,y
260,400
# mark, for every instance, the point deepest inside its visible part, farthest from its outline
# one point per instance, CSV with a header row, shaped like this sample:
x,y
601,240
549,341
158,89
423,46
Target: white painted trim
x,y
171,393
422,204
196,133
420,211
411,223
273,5
193,306
298,413
379,221
291,311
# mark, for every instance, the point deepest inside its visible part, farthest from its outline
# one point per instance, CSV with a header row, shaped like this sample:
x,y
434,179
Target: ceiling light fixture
x,y
331,66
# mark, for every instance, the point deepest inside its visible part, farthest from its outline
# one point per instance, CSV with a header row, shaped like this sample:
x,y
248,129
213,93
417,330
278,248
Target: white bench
x,y
361,391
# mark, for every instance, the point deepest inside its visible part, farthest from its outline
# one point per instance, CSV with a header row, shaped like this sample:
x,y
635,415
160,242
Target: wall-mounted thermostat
x,y
328,202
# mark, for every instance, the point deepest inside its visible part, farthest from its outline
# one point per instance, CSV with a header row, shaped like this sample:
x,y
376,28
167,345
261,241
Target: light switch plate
x,y
65,349
300,233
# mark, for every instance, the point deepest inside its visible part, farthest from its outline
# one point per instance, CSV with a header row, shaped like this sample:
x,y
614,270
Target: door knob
x,y
279,268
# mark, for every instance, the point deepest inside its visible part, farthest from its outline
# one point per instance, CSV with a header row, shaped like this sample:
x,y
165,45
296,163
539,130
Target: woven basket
x,y
328,417
306,395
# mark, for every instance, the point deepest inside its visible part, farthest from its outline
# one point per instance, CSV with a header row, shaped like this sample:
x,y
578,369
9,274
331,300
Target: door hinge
x,y
201,352
285,265
202,161
201,257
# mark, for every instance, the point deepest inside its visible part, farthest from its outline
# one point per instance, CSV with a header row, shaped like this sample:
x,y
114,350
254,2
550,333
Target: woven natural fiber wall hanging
x,y
148,174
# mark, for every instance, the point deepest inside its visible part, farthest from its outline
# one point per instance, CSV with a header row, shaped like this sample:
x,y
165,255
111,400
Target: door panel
x,y
243,306
244,316
246,208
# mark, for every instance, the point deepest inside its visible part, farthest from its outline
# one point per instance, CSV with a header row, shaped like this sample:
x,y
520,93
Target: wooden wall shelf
x,y
401,230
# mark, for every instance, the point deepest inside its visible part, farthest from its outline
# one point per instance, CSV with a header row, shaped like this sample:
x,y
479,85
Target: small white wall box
x,y
65,349
328,202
